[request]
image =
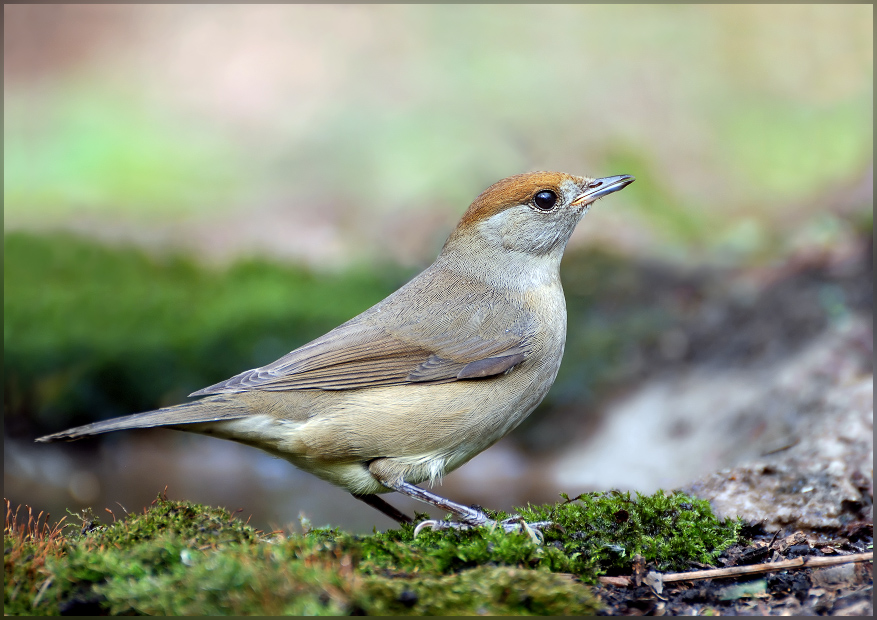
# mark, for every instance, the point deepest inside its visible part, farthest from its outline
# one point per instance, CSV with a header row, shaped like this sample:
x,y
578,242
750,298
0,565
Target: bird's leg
x,y
467,515
376,502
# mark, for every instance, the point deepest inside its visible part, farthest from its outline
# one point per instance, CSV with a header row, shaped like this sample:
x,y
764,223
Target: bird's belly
x,y
424,430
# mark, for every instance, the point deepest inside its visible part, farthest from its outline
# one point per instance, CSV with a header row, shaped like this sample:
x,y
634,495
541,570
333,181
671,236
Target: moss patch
x,y
604,531
182,558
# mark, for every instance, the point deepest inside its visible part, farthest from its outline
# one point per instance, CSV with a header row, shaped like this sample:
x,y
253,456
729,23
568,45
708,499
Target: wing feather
x,y
431,334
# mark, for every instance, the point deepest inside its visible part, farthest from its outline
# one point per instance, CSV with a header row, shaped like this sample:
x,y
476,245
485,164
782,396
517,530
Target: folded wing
x,y
432,334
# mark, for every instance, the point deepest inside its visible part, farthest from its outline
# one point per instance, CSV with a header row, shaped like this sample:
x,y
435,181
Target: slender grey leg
x,y
376,502
470,516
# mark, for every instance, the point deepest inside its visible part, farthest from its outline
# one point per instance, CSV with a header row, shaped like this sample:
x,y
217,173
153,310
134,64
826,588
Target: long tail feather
x,y
204,410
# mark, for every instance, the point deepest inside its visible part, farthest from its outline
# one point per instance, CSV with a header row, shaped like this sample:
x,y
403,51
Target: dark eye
x,y
545,200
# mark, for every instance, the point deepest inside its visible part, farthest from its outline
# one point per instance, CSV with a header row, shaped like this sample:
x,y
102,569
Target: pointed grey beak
x,y
601,187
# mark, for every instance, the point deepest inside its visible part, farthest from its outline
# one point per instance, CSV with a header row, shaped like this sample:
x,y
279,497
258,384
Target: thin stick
x,y
42,590
802,562
733,571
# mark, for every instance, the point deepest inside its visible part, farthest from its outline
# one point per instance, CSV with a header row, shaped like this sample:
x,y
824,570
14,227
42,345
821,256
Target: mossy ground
x,y
182,558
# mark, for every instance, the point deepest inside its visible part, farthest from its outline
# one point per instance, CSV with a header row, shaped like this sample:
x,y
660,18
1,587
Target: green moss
x,y
483,590
230,579
182,558
606,530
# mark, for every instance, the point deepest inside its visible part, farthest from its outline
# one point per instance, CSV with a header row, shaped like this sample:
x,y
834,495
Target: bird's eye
x,y
545,200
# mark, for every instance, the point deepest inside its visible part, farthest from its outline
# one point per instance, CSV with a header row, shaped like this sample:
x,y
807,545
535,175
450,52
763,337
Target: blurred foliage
x,y
781,148
92,331
183,558
726,114
657,202
607,315
96,148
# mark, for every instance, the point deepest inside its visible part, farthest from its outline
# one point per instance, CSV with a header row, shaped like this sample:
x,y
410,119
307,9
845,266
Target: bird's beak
x,y
601,187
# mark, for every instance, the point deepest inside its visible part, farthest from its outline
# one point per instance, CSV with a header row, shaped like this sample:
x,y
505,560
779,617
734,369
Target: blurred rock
x,y
825,478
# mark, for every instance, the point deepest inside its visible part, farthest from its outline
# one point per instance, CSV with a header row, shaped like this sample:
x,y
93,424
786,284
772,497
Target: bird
x,y
415,386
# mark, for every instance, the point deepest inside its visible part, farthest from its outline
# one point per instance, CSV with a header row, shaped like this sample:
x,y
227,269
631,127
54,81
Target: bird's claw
x,y
436,525
512,524
533,530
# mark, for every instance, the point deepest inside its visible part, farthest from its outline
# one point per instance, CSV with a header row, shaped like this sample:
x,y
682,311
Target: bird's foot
x,y
512,524
436,525
516,523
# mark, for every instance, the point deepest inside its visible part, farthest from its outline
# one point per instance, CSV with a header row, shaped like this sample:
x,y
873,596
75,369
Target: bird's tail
x,y
205,410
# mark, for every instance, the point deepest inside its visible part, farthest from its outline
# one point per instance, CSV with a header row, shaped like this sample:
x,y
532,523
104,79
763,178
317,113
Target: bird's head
x,y
526,220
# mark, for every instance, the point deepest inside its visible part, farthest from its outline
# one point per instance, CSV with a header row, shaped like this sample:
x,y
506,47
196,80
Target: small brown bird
x,y
421,382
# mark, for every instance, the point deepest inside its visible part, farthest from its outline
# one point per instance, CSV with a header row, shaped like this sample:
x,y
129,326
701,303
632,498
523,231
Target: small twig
x,y
621,582
802,562
42,590
734,571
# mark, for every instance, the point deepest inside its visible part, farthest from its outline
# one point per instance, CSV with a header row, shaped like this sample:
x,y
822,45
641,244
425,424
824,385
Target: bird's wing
x,y
437,334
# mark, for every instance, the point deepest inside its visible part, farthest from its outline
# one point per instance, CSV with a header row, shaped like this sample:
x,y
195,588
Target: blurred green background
x,y
190,191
